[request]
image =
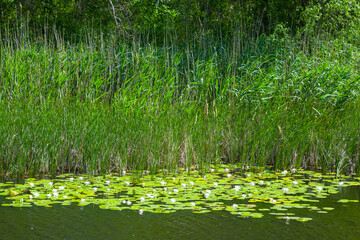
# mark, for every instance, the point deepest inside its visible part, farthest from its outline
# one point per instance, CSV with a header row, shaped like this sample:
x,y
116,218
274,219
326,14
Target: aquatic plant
x,y
278,194
104,106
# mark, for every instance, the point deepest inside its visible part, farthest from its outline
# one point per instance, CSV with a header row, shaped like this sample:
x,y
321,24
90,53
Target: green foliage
x,y
334,17
184,19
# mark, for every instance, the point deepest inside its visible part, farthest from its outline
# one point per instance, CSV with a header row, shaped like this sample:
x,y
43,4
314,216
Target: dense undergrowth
x,y
103,106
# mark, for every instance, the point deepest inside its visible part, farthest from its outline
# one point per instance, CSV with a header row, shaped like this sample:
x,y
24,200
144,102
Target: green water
x,y
90,222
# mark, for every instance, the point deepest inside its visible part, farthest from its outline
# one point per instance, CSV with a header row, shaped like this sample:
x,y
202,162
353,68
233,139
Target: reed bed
x,y
100,106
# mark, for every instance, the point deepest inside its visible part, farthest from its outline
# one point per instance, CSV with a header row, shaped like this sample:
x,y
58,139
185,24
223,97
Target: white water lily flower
x,y
208,191
295,182
81,178
71,179
192,204
150,196
226,170
237,188
252,184
293,170
215,184
261,182
124,202
107,181
163,183
54,190
165,188
143,184
206,195
30,196
341,183
36,194
183,185
228,175
272,200
124,172
142,199
82,200
235,205
211,170
87,183
95,189
175,190
173,200
61,187
191,183
127,183
56,194
319,188
243,195
284,172
31,184
128,203
50,183
65,196
108,189
154,190
141,211
285,189
49,195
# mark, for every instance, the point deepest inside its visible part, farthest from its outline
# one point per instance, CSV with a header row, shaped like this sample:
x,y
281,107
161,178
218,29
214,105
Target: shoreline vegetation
x,y
103,104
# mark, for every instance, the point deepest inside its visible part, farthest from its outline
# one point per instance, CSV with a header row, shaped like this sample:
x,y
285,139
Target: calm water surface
x,y
90,222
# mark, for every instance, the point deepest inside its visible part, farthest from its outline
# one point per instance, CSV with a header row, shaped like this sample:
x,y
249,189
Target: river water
x,y
90,222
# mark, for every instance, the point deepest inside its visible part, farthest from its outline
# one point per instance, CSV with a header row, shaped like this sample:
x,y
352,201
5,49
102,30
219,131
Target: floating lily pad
x,y
236,192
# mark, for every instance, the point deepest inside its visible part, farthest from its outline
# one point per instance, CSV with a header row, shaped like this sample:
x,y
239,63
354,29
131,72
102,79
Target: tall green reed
x,y
100,106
